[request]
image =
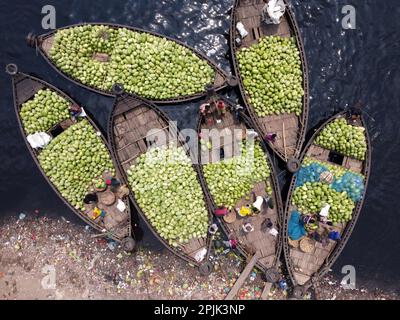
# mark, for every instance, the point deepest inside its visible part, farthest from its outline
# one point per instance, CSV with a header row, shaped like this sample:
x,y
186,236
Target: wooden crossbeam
x,y
141,138
130,159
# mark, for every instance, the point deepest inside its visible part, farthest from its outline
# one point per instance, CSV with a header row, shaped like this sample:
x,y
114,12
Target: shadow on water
x,y
345,67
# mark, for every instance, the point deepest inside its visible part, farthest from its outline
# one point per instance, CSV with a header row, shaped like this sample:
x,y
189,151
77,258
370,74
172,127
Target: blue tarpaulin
x,y
350,182
296,227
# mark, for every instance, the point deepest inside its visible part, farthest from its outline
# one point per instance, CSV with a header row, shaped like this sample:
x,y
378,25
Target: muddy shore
x,y
51,259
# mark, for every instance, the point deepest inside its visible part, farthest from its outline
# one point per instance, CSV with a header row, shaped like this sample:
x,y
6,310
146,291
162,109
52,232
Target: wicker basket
x,y
307,245
107,198
230,217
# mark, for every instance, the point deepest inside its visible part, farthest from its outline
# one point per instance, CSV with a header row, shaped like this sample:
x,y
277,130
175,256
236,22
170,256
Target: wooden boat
x,y
309,261
289,128
134,128
115,220
46,42
226,132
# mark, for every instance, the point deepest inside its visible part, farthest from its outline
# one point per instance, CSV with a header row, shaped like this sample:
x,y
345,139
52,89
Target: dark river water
x,y
345,66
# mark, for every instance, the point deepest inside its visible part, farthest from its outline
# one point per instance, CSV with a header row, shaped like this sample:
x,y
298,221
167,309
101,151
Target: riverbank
x,y
51,258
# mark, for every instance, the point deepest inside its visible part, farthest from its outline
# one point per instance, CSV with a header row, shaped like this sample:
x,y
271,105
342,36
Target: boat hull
x,y
327,258
290,129
24,87
124,108
220,81
268,248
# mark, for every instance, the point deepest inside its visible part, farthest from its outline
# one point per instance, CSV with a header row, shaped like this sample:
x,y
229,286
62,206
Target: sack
x,y
273,11
220,212
38,140
325,211
241,29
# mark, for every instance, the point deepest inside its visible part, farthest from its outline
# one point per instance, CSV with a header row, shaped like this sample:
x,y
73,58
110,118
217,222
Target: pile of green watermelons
x,y
74,159
166,188
147,65
344,138
272,76
232,179
312,197
44,111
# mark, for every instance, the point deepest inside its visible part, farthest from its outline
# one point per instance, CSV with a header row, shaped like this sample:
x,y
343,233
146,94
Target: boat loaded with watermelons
x,y
325,197
72,155
164,182
271,66
147,64
241,183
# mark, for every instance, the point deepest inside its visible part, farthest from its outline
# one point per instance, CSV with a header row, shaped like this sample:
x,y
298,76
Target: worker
x,y
267,225
244,211
334,235
231,243
114,184
221,211
221,108
307,219
221,153
204,112
236,113
271,137
75,110
247,227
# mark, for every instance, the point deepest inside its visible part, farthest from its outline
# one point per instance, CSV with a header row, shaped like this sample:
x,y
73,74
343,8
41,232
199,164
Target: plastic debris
x,y
283,285
87,268
112,245
65,220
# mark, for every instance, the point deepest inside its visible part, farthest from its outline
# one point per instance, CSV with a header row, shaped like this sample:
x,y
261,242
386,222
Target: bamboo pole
x,y
284,138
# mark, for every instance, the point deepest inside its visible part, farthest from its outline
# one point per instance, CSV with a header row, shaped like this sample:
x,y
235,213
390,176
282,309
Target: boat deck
x,y
115,221
249,13
287,127
259,241
135,126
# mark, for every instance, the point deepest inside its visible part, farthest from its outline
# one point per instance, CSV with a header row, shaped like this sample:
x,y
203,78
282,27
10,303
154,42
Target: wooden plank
x,y
266,291
243,276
